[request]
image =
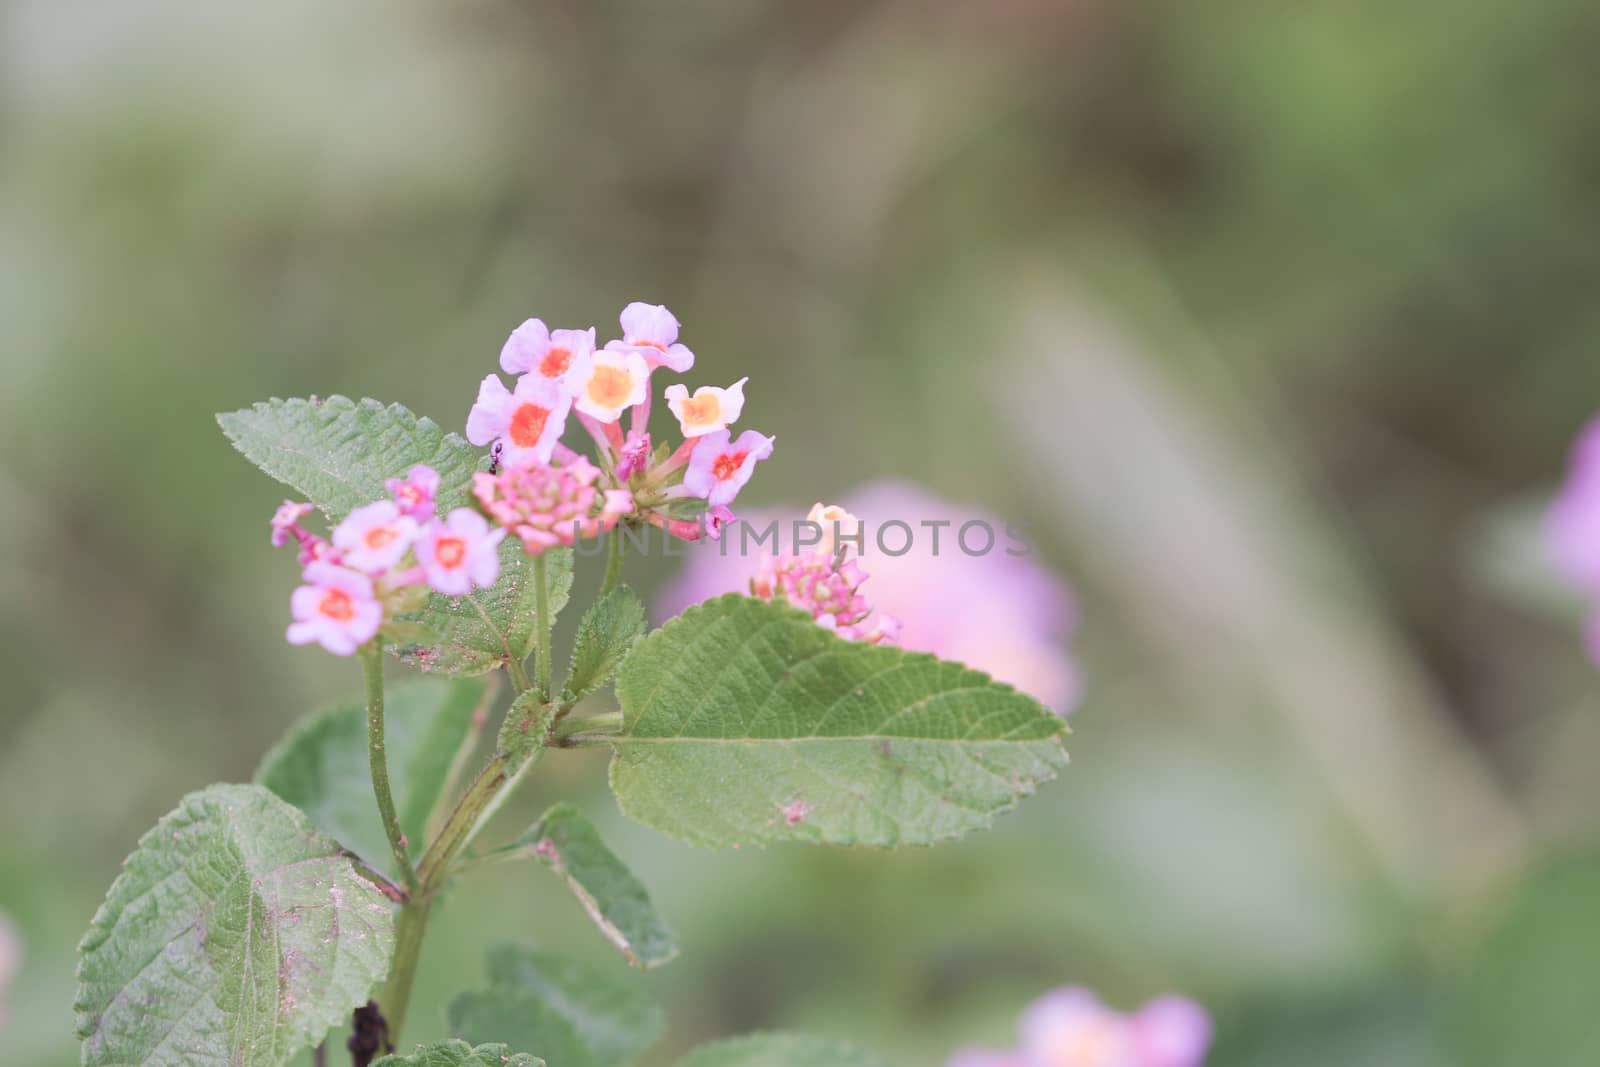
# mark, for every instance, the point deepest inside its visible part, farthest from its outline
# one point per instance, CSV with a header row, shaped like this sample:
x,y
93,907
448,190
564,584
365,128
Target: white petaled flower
x,y
710,409
608,383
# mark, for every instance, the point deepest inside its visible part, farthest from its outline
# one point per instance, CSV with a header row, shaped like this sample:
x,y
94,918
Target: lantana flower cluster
x,y
1071,1027
826,581
548,494
380,559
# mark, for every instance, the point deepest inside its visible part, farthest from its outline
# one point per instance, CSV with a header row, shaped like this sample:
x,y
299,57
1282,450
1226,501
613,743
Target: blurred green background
x,y
1271,319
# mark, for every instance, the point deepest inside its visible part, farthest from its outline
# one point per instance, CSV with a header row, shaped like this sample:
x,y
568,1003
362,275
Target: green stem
x,y
541,661
378,761
519,675
613,562
396,995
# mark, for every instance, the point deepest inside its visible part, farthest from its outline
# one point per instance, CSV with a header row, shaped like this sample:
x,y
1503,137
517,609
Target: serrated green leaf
x,y
338,452
571,1015
745,722
610,628
781,1050
489,628
235,936
565,841
522,734
461,1054
321,765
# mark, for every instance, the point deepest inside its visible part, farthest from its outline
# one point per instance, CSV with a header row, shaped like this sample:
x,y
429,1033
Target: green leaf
x,y
235,936
571,1015
489,628
610,628
780,1050
1528,995
321,766
567,843
745,722
461,1054
338,452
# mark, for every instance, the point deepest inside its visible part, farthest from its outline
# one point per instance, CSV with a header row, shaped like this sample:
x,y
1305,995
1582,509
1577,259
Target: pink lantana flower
x,y
547,506
459,552
999,612
1171,1032
608,383
416,491
1071,1028
286,521
718,519
375,537
720,467
634,457
829,590
335,608
710,409
652,331
983,1057
533,349
527,421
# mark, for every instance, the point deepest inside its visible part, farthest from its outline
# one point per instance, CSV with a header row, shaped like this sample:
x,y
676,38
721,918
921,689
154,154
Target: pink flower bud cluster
x,y
1072,1028
359,576
827,583
546,485
546,505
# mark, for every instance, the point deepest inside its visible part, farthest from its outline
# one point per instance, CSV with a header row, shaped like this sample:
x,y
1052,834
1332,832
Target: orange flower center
x,y
337,605
409,495
727,465
657,345
610,387
702,410
379,537
555,362
450,551
527,425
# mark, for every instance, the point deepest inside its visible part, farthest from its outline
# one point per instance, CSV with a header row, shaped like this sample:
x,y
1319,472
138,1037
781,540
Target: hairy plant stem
x,y
613,563
378,761
541,663
483,796
519,675
502,774
408,931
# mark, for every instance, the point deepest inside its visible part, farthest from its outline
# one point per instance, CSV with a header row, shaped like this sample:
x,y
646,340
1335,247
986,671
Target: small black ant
x,y
494,458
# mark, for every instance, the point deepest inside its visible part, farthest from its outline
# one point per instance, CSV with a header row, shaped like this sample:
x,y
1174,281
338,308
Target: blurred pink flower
x,y
1572,526
415,492
10,963
1003,614
286,522
374,537
1071,1027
